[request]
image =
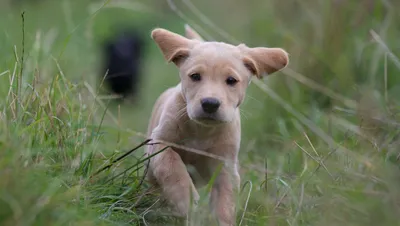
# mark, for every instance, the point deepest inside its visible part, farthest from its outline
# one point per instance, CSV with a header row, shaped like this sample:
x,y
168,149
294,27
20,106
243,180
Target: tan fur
x,y
178,117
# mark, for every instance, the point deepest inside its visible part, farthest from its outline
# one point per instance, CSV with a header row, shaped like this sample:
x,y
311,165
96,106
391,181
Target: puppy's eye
x,y
231,81
195,77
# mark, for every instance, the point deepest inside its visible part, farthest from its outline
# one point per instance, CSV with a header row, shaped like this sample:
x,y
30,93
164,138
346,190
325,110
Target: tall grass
x,y
320,143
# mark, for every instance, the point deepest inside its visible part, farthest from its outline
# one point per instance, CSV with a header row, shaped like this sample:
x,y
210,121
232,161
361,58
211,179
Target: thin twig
x,y
247,199
121,157
312,157
19,81
300,204
390,54
136,164
144,175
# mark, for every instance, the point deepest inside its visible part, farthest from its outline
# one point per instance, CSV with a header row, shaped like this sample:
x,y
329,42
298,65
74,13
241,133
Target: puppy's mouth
x,y
209,120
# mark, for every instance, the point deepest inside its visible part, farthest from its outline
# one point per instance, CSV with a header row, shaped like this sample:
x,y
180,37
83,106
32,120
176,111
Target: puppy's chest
x,y
205,145
201,144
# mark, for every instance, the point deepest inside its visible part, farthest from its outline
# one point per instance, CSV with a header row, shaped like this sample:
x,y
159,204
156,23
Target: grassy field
x,y
320,140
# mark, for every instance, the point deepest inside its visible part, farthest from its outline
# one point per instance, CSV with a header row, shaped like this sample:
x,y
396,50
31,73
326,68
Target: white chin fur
x,y
209,123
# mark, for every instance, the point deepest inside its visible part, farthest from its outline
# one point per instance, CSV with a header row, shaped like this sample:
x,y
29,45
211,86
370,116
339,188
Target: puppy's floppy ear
x,y
174,47
192,34
262,60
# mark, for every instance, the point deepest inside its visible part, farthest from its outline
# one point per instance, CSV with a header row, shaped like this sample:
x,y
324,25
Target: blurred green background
x,y
320,140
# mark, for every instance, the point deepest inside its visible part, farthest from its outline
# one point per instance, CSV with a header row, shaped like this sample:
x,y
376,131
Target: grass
x,y
320,143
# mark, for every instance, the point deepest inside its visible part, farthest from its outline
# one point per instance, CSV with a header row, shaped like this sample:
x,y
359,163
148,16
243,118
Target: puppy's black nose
x,y
210,105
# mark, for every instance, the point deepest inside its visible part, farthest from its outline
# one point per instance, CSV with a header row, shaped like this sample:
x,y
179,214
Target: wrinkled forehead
x,y
215,54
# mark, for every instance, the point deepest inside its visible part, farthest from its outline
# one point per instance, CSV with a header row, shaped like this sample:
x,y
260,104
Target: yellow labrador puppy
x,y
202,112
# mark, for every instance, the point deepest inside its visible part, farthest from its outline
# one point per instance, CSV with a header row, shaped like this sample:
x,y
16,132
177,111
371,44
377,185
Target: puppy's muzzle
x,y
210,105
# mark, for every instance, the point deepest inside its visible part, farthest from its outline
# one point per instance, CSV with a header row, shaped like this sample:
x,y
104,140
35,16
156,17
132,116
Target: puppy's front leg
x,y
171,175
223,196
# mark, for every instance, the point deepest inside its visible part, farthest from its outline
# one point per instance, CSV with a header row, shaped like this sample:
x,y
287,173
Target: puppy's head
x,y
214,75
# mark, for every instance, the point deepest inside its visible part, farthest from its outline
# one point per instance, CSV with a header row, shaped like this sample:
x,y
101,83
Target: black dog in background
x,y
122,60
